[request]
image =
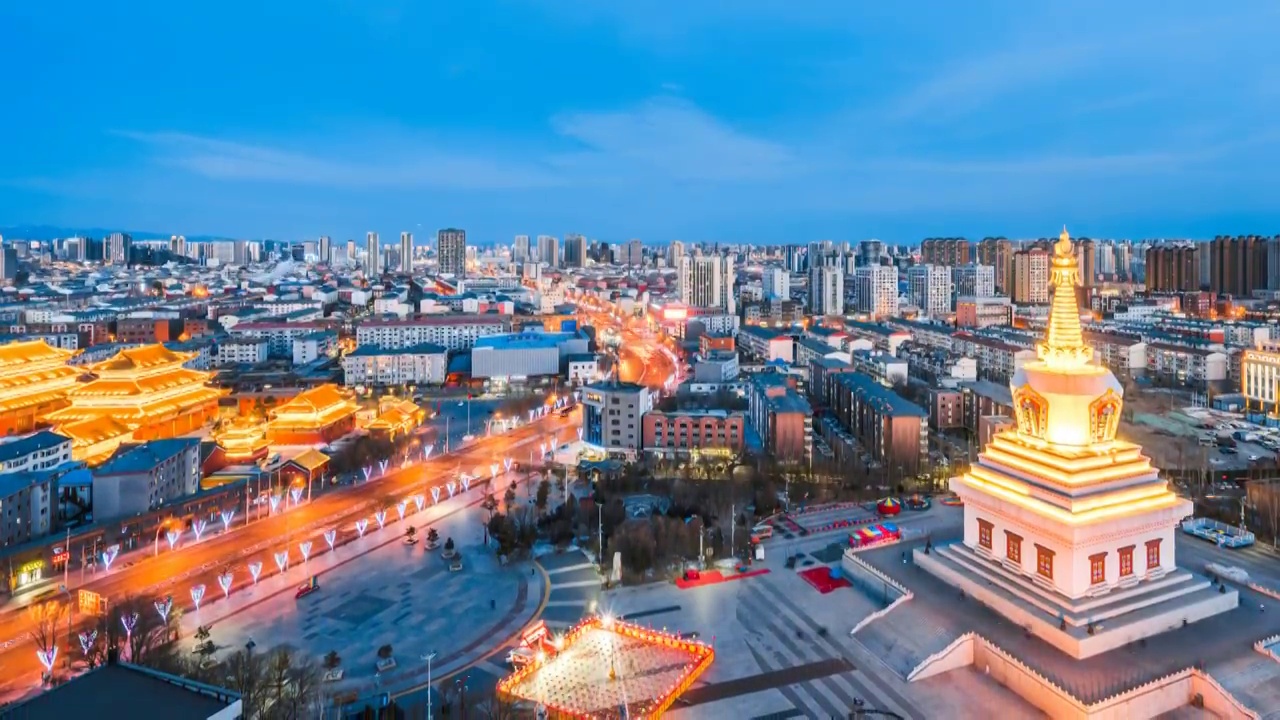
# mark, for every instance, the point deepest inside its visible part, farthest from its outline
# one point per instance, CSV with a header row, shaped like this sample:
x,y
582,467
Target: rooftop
x,y
16,448
885,401
522,341
420,349
145,457
124,690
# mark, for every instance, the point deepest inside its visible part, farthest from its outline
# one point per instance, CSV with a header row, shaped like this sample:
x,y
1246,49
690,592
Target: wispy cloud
x,y
231,160
669,138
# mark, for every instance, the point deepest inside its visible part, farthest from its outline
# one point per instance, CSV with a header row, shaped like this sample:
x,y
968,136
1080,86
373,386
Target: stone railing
x,y
852,557
956,645
1262,646
881,612
1150,698
1264,590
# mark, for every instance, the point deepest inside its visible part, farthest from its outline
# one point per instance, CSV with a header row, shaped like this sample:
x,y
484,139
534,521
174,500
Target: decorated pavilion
x,y
242,440
34,381
140,394
1068,530
316,416
396,417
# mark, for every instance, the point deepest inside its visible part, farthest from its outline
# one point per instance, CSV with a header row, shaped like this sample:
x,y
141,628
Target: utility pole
x,y
733,526
600,530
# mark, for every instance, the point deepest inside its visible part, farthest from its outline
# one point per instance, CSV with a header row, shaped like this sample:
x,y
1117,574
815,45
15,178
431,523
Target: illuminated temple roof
x,y
138,386
1062,460
33,372
317,407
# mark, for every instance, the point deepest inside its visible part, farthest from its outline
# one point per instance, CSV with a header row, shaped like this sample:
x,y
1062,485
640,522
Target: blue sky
x,y
748,121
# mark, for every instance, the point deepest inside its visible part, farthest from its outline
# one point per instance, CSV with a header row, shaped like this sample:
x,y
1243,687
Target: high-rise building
x,y
826,296
326,247
8,262
351,251
728,297
451,251
178,245
776,282
1105,259
372,255
1272,254
998,253
794,258
1173,267
549,250
878,290
929,288
119,248
520,252
575,251
634,254
951,252
406,252
1087,261
700,279
1031,276
870,252
978,281
1238,265
675,253
1124,260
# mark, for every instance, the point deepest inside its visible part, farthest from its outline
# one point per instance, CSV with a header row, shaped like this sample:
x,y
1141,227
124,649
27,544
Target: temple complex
x,y
396,417
34,381
1068,530
140,394
242,440
316,416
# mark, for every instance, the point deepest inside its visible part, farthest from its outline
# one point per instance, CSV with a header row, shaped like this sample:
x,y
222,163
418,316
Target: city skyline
x,y
822,122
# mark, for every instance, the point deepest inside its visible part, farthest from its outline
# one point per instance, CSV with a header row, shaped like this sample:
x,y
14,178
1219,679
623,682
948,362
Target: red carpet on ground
x,y
821,580
711,577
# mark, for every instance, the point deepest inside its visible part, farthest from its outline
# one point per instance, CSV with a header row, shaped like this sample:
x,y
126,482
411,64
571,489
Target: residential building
x,y
372,255
582,368
693,433
406,252
826,290
278,334
877,290
612,417
781,417
702,281
575,251
141,478
373,366
1173,267
1087,261
520,252
766,344
1031,276
776,282
313,346
242,350
981,312
977,281
1260,379
998,253
1185,366
43,450
453,331
929,289
947,252
451,251
1237,265
119,249
892,430
549,250
1122,353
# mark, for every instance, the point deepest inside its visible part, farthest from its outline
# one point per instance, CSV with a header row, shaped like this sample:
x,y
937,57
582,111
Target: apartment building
x,y
454,332
374,366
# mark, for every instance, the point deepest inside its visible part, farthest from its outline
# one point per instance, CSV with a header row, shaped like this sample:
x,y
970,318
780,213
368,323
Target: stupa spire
x,y
1064,348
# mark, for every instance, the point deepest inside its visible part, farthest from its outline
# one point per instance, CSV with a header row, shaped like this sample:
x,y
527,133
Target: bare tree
x,y
245,676
46,618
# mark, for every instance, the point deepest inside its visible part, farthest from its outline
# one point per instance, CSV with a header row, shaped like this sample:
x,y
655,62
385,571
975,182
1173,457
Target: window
x,y
1097,569
1044,561
1126,561
1013,547
984,533
1153,554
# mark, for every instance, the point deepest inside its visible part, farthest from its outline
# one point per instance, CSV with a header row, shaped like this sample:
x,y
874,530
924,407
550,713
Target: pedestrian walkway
x,y
575,588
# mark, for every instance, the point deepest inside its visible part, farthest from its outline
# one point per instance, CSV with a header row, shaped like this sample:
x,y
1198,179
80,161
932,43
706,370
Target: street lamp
x,y
429,657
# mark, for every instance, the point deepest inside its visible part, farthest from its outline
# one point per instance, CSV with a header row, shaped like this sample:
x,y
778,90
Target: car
x,y
1228,450
1255,458
306,589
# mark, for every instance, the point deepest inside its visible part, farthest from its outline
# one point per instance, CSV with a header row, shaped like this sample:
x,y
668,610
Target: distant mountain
x,y
51,232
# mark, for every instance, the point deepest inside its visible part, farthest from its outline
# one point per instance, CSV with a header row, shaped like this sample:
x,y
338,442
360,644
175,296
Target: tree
x,y
448,545
544,491
245,674
332,660
384,652
46,619
411,532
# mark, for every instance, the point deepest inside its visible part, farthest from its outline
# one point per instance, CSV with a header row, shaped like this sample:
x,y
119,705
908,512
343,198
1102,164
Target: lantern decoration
x,y
361,524
401,507
224,582
282,560
382,467
426,451
304,547
109,556
197,594
507,464
48,657
435,495
493,470
419,501
296,494
197,527
466,482
381,517
172,536
88,638
227,516
129,621
367,471
452,487
330,536
255,570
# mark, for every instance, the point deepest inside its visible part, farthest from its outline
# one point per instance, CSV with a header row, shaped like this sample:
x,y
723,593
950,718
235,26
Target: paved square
x,y
358,609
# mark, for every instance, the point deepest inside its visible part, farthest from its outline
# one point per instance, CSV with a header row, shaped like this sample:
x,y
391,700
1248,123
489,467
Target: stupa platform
x,y
1124,615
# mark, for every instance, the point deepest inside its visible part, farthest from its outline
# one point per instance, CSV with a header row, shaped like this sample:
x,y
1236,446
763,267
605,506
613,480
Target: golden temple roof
x,y
316,400
1063,347
91,431
310,460
133,360
21,353
126,386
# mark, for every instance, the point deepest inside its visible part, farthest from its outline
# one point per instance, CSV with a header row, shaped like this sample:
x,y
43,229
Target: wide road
x,y
175,572
642,357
